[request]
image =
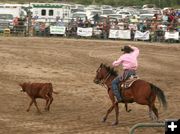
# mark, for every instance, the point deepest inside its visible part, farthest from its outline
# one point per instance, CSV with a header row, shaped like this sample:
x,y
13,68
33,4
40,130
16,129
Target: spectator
x,y
87,23
37,29
96,19
80,22
133,20
60,22
160,34
121,25
165,18
42,28
141,26
15,21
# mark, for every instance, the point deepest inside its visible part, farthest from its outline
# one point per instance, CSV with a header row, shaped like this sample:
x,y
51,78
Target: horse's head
x,y
103,73
100,74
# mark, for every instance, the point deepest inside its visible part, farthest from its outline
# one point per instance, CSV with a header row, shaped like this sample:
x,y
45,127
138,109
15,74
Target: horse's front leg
x,y
108,112
114,105
117,114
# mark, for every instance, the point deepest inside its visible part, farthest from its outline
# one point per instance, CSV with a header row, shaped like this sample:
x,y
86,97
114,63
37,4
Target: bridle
x,y
103,81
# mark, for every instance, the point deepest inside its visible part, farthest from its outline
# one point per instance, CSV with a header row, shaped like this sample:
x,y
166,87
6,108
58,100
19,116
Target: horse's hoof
x,y
103,120
27,110
129,110
115,123
155,120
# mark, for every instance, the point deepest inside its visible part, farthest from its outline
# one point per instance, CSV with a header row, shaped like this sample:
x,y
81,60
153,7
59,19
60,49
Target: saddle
x,y
127,83
124,85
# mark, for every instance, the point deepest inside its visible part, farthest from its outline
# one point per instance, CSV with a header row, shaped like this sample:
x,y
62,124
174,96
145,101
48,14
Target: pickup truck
x,y
6,21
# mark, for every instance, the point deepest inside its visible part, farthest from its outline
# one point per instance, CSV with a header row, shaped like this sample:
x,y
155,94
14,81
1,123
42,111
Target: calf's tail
x,y
55,92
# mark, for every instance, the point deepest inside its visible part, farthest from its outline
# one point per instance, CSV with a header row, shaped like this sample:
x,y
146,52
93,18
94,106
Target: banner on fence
x,y
85,32
57,30
171,35
121,34
142,35
97,32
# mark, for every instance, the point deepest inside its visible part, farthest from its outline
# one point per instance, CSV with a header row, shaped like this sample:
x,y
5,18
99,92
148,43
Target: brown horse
x,y
141,92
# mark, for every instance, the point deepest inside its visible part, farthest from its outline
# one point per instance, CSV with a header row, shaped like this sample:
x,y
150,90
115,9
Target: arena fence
x,y
142,125
93,32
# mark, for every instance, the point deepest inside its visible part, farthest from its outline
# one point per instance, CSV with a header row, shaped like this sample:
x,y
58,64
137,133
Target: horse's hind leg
x,y
155,110
150,113
126,106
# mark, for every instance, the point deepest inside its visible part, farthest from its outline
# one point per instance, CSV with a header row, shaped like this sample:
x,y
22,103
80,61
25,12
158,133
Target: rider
x,y
129,63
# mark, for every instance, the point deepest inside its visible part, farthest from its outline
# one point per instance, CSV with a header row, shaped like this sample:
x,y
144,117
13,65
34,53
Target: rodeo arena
x,y
67,55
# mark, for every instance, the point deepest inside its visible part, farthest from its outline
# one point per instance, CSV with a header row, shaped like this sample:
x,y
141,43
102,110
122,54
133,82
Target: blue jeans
x,y
115,88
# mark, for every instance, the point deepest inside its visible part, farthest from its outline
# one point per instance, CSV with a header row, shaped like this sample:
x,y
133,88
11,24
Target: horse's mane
x,y
110,70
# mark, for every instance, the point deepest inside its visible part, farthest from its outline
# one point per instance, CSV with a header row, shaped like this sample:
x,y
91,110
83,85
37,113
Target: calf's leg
x,y
47,101
51,100
46,97
30,104
35,103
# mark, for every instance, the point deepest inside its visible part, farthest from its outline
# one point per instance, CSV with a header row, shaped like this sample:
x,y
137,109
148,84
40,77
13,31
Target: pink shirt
x,y
128,60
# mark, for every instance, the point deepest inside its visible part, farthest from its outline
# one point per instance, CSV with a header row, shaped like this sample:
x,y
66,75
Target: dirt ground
x,y
71,65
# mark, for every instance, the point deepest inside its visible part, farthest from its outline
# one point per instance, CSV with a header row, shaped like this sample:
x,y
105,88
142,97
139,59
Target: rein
x,y
102,83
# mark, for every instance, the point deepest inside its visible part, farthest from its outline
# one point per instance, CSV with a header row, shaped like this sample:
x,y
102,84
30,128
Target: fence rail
x,y
142,125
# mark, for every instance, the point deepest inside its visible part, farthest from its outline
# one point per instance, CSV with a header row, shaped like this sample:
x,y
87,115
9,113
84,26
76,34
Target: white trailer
x,y
13,9
48,12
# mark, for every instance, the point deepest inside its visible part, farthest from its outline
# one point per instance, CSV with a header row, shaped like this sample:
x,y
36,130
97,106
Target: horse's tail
x,y
160,95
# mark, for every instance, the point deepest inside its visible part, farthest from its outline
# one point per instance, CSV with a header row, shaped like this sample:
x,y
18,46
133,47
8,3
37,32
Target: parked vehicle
x,y
93,7
91,13
115,16
50,12
106,7
107,11
81,15
6,21
124,14
76,8
146,16
13,9
149,6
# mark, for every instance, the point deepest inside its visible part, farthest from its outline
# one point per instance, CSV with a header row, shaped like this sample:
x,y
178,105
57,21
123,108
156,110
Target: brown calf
x,y
38,90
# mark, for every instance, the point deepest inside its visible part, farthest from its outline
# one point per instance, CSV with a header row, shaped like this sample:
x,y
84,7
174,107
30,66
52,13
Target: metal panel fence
x,y
143,125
